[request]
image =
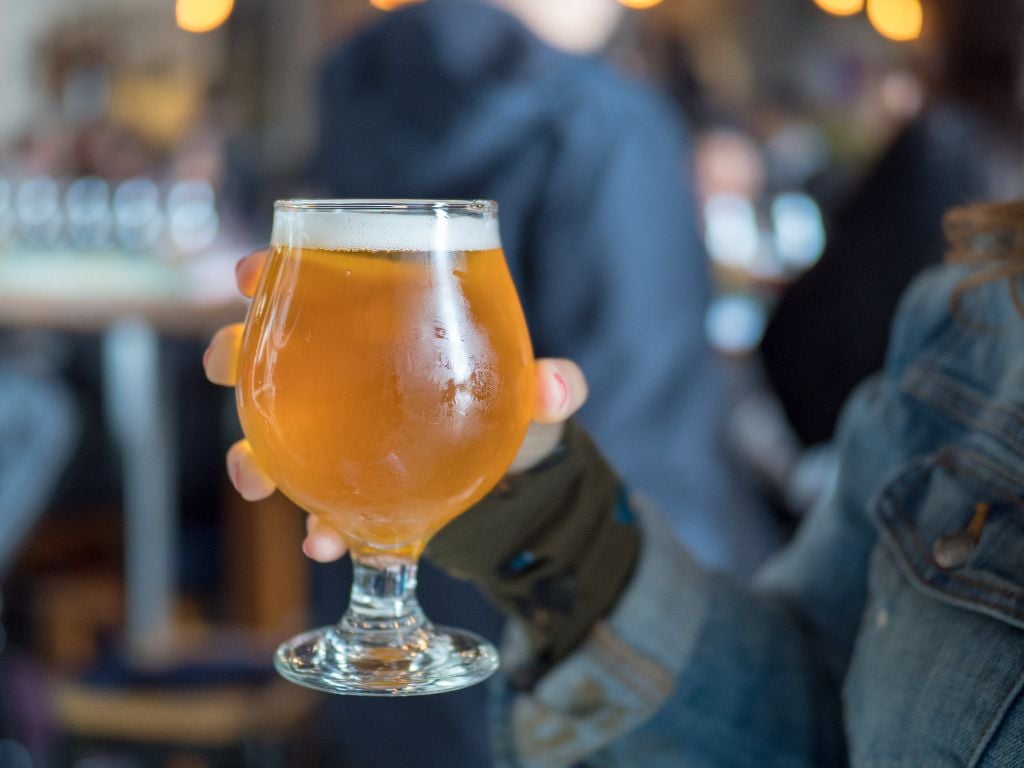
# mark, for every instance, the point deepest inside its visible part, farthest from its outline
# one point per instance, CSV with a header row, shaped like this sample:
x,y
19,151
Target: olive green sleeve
x,y
554,546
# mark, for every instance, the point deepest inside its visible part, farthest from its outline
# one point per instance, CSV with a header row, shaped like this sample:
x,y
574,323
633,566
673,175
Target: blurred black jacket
x,y
831,329
456,99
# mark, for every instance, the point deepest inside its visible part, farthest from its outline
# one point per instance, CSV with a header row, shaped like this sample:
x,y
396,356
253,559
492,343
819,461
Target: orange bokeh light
x,y
841,7
390,5
202,15
898,20
640,4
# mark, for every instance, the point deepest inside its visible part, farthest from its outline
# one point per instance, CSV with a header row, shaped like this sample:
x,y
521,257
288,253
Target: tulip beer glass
x,y
385,385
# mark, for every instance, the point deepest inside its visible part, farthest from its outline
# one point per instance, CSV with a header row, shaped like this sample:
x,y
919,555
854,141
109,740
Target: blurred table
x,y
132,300
94,291
254,726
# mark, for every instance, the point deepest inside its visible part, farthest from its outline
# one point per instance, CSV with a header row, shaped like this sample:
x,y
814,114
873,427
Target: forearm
x,y
756,691
651,652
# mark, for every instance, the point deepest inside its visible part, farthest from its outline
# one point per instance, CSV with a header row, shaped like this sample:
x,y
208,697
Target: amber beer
x,y
384,386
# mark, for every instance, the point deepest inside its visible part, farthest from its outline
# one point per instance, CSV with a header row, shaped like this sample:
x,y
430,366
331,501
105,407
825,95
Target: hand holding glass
x,y
385,385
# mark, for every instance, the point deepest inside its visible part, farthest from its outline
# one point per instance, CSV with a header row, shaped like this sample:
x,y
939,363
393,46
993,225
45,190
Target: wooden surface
x,y
207,717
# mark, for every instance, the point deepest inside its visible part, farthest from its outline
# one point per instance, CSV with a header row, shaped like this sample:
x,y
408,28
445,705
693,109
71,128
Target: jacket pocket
x,y
955,524
939,658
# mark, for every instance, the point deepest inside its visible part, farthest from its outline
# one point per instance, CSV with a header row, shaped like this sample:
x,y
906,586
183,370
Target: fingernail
x,y
306,548
565,391
206,356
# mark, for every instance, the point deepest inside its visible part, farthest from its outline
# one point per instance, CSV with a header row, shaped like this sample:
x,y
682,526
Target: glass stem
x,y
383,608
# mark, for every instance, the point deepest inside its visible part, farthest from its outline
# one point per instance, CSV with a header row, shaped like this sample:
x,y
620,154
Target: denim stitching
x,y
912,566
924,574
922,556
1014,487
915,383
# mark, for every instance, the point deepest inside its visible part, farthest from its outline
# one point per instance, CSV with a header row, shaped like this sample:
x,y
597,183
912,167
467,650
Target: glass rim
x,y
385,205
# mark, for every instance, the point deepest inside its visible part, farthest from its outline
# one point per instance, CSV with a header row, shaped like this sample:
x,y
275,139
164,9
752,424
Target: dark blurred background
x,y
142,143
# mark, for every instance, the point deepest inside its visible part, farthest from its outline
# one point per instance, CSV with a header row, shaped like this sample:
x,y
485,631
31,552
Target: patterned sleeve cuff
x,y
554,547
625,669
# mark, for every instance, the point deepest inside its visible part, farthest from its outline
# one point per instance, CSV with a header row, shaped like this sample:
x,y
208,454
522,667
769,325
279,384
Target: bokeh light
x,y
390,5
841,7
735,324
202,15
731,233
640,4
898,20
798,231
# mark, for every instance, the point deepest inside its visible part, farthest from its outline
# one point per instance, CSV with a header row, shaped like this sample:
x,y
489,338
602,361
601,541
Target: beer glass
x,y
386,381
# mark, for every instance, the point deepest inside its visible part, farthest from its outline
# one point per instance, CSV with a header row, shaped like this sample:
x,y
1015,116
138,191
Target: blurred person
x,y
888,632
829,331
38,425
507,100
38,428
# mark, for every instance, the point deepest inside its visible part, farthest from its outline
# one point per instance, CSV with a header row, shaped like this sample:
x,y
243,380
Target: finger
x,y
251,482
220,360
322,542
247,272
560,390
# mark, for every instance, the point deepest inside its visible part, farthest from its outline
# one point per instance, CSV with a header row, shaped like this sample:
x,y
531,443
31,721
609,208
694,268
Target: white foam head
x,y
342,229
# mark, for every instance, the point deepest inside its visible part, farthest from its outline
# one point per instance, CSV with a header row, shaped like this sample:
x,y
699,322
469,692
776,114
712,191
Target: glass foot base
x,y
437,660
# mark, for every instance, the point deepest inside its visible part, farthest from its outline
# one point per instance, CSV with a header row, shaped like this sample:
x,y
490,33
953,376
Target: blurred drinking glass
x,y
6,214
731,232
137,215
192,215
87,206
385,385
38,214
798,231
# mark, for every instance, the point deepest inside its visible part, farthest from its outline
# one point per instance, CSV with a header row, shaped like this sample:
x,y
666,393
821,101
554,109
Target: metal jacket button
x,y
955,549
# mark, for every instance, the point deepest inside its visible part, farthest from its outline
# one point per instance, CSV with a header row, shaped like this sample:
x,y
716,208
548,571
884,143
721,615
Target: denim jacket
x,y
888,634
